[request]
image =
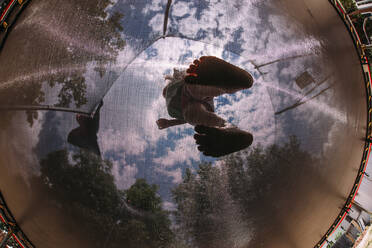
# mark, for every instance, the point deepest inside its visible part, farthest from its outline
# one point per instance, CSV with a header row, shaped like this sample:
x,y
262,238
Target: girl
x,y
189,94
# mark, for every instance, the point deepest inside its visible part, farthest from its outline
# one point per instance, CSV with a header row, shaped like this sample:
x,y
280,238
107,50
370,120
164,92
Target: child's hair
x,y
178,74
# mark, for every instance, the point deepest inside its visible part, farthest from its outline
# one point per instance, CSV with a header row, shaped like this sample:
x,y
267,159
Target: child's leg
x,y
212,71
196,113
202,91
218,142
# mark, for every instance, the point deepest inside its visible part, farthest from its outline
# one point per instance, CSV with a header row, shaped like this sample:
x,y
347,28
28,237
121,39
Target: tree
x,y
218,202
206,214
330,244
143,196
82,185
3,227
349,5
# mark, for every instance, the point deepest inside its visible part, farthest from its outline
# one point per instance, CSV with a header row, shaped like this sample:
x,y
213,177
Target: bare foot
x,y
162,123
217,142
212,71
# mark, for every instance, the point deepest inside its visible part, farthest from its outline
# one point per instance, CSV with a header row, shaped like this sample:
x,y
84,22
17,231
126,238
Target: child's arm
x,y
164,123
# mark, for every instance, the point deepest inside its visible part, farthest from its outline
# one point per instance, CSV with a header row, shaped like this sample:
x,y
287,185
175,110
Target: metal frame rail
x,y
13,229
23,5
24,242
367,146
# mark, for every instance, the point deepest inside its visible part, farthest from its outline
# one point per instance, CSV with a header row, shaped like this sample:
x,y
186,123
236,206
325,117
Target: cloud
x,y
180,9
124,174
175,174
153,6
157,23
251,110
184,152
129,142
169,206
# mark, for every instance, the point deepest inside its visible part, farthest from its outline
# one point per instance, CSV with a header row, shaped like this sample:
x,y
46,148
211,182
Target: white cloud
x,y
129,142
124,174
180,9
253,113
176,174
185,151
154,5
157,23
169,206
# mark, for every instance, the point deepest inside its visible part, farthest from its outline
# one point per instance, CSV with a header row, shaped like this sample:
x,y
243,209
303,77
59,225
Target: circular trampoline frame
x,y
15,231
367,146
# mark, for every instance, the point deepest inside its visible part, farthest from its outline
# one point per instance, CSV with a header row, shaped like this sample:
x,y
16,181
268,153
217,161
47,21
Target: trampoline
x,y
95,70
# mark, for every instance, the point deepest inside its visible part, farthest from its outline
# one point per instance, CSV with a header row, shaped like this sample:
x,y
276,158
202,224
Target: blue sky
x,y
257,33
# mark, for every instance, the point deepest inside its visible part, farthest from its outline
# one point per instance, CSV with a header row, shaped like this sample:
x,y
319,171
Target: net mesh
x,y
70,53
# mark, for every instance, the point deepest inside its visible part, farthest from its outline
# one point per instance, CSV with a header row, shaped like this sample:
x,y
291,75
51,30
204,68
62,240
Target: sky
x,y
245,35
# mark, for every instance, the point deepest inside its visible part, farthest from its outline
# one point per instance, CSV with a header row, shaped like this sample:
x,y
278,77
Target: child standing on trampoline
x,y
189,94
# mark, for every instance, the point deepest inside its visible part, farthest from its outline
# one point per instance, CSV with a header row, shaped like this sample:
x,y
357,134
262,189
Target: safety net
x,y
71,53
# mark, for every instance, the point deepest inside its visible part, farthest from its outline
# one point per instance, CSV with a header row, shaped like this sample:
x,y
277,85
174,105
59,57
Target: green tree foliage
x,y
338,236
358,20
143,196
218,201
83,186
330,244
252,174
2,226
206,214
349,5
